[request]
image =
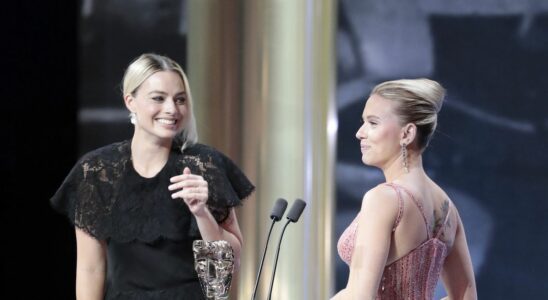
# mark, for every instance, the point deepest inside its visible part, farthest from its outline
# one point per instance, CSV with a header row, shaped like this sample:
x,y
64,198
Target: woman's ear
x,y
128,101
408,134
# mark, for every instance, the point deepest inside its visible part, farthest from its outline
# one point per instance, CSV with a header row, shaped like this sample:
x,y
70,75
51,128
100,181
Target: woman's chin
x,y
367,161
168,133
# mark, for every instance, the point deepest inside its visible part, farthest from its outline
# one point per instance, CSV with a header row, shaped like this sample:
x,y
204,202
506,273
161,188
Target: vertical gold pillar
x,y
281,94
214,71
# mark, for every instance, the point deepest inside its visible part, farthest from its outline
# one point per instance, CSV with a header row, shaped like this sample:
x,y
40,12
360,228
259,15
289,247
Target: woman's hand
x,y
192,189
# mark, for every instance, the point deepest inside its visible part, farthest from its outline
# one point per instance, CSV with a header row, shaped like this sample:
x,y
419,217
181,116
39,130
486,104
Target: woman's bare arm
x,y
458,273
90,267
228,231
194,190
378,213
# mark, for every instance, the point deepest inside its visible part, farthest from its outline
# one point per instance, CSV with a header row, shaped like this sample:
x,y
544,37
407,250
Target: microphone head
x,y
278,209
296,210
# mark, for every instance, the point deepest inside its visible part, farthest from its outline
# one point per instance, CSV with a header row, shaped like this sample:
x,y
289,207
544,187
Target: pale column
x,y
283,108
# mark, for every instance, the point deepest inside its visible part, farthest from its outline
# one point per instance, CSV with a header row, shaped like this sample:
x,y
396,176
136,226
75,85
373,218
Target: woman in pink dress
x,y
408,232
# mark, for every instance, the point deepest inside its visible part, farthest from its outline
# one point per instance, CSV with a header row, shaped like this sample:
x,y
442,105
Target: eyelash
x,y
372,123
181,100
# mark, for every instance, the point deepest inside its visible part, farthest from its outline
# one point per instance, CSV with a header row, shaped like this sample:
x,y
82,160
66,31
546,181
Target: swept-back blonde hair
x,y
418,101
143,67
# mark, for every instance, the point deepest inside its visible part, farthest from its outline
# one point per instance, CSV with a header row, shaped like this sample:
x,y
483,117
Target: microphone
x,y
278,210
292,216
296,210
276,215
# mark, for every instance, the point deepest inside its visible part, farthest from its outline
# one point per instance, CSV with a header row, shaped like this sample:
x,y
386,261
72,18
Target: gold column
x,y
214,68
282,78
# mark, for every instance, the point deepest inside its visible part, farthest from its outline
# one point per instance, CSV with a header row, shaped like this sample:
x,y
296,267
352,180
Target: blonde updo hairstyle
x,y
143,67
418,101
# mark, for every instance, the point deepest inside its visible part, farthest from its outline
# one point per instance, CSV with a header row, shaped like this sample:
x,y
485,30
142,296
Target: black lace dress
x,y
148,234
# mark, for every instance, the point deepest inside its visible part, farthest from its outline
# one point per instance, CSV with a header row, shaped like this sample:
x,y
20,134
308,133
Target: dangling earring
x,y
132,117
404,155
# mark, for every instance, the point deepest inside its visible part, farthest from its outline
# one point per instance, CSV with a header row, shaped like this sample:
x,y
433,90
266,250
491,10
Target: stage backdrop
x,y
111,34
490,149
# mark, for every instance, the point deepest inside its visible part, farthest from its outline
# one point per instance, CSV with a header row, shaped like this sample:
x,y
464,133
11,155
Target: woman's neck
x,y
396,169
149,157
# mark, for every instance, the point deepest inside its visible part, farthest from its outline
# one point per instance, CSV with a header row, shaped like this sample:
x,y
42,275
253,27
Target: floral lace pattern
x,y
102,193
148,234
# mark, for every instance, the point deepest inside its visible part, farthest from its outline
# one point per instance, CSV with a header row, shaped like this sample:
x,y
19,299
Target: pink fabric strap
x,y
397,187
400,206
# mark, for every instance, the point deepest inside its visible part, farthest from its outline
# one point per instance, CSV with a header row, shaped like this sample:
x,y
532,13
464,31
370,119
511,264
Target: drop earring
x,y
132,117
404,156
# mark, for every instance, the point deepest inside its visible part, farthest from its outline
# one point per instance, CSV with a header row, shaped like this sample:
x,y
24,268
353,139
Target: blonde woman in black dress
x,y
137,205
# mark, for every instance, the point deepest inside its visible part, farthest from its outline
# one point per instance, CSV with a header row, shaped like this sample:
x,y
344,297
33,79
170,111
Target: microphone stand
x,y
277,213
262,260
293,216
276,259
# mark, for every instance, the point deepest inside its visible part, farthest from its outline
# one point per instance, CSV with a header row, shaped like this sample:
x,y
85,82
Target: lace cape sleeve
x,y
228,185
89,194
85,196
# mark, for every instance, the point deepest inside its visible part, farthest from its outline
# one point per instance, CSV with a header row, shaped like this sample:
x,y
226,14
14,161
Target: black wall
x,y
39,146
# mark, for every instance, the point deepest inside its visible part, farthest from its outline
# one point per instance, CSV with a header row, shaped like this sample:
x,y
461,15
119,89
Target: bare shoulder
x,y
443,203
379,209
381,198
447,205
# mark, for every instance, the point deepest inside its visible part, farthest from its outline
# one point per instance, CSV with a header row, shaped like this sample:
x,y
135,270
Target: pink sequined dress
x,y
413,276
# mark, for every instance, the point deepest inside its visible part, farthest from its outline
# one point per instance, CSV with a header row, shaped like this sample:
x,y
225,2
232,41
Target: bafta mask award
x,y
214,263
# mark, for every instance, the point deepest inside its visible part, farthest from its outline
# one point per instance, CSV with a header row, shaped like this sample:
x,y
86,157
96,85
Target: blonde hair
x,y
143,67
418,101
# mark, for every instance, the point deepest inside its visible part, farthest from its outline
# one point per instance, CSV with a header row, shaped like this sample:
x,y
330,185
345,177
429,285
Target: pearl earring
x,y
132,117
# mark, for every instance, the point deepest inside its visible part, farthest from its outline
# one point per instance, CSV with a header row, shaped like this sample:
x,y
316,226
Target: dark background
x,y
39,105
62,62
